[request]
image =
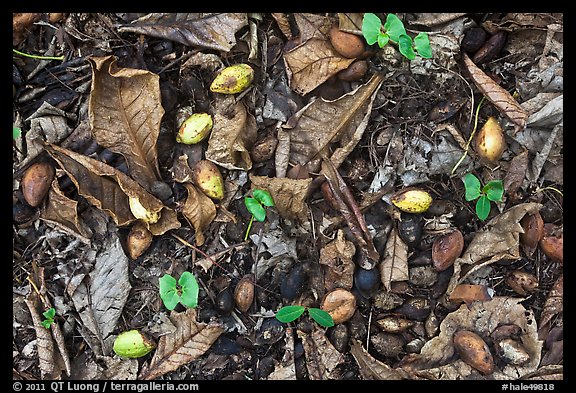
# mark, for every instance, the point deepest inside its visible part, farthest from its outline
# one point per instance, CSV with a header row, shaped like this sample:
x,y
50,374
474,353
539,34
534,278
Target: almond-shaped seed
x,y
474,351
244,293
446,249
491,48
233,79
195,129
521,282
138,241
36,182
412,200
489,142
264,149
141,213
533,226
346,44
552,245
208,178
340,304
354,72
132,344
394,323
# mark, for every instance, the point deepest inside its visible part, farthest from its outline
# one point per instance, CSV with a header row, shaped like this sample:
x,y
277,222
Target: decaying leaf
x,y
93,179
199,210
44,344
283,24
119,369
190,341
321,356
312,25
311,63
233,134
468,293
371,368
437,359
286,370
515,175
500,239
331,128
553,306
62,212
336,257
212,31
394,265
125,110
498,96
350,22
289,194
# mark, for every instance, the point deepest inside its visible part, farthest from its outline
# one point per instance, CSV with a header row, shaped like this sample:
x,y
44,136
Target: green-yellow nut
x,y
195,129
132,344
208,178
141,213
412,200
233,79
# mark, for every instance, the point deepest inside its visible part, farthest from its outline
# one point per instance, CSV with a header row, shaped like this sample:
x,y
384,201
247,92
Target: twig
x,y
471,136
38,57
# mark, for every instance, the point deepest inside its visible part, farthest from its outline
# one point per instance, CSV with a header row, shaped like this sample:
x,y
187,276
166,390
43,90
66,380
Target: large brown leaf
x,y
233,134
125,111
199,210
331,128
497,95
109,189
312,26
311,63
188,342
289,194
394,265
212,31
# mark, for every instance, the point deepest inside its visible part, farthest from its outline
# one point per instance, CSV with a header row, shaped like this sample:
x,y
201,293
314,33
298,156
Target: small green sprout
x,y
290,313
255,206
394,32
185,291
492,191
49,315
16,133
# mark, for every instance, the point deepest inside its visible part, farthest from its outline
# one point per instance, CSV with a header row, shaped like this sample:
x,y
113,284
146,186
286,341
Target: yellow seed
x,y
412,200
195,129
132,344
233,79
490,142
141,213
208,178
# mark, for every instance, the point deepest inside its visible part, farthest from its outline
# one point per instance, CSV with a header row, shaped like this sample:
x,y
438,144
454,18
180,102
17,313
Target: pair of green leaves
x,y
49,315
256,204
290,313
492,191
395,32
184,291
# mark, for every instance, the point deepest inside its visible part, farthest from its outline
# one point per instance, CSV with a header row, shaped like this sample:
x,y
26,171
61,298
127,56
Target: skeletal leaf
x,y
312,63
212,31
331,128
394,265
190,341
497,95
289,195
322,357
125,110
199,210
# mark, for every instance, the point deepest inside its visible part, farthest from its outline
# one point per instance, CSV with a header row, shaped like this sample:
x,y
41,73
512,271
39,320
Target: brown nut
x,y
533,226
208,178
354,72
347,44
446,249
394,323
36,182
264,149
491,48
523,283
489,142
474,351
340,304
552,245
138,241
244,293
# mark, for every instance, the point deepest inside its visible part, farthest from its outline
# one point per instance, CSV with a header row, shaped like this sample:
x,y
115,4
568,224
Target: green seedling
x,y
393,31
290,313
492,191
49,315
255,206
16,133
185,291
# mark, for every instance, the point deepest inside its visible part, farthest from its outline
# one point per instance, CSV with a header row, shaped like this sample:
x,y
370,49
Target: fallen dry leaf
x,y
312,26
44,344
498,96
321,356
394,265
233,134
199,210
312,63
468,293
331,128
190,341
553,306
350,22
515,175
336,257
212,31
373,369
283,24
289,195
21,23
500,239
436,359
125,110
286,370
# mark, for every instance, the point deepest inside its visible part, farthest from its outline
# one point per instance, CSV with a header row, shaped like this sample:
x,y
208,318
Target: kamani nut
x,y
412,200
132,344
233,79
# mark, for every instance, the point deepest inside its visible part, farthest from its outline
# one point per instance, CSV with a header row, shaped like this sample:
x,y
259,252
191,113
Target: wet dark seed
x,y
22,212
416,308
473,39
225,301
491,48
206,314
410,229
339,337
387,344
161,190
271,331
266,366
367,281
294,283
422,259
